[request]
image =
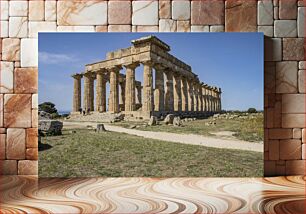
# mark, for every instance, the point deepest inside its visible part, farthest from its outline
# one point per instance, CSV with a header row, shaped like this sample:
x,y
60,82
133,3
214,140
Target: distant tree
x,y
252,110
49,108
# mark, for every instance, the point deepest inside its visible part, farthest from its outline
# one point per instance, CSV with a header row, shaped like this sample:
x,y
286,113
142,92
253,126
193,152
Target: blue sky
x,y
232,61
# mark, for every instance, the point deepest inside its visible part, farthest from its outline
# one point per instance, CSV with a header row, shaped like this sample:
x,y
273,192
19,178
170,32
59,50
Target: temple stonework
x,y
177,89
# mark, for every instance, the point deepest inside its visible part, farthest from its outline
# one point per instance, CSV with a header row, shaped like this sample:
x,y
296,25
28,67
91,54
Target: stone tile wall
x,y
282,22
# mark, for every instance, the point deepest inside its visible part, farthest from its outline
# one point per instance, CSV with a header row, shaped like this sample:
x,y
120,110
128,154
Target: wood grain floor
x,y
152,195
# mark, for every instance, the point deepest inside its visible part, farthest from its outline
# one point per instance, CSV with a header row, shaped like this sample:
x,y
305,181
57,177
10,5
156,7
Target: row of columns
x,y
175,93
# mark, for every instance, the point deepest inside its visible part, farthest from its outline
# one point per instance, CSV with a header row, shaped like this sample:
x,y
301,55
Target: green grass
x,y
87,153
250,129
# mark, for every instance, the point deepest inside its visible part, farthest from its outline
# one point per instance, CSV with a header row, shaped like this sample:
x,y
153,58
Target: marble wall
x,y
282,22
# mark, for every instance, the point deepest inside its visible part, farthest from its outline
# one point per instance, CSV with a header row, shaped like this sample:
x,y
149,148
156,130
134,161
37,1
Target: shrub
x,y
252,110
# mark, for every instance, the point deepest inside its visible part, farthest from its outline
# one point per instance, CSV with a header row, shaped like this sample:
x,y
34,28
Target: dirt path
x,y
177,138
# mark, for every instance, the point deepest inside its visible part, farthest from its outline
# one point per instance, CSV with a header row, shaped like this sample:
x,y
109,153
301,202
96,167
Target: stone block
x,y
2,130
295,167
277,114
273,149
8,167
145,13
199,28
265,12
297,133
1,110
75,29
302,65
29,53
290,149
4,9
101,28
164,9
2,146
304,135
17,110
50,10
26,80
119,12
4,29
11,49
34,101
119,28
301,3
301,21
293,49
303,151
301,83
207,12
183,26
167,25
35,118
36,10
269,78
287,9
28,167
89,12
15,144
6,77
32,154
32,138
269,168
35,27
275,13
293,103
293,120
240,16
272,49
180,10
18,8
143,28
280,133
286,77
18,27
269,118
285,28
267,30
216,28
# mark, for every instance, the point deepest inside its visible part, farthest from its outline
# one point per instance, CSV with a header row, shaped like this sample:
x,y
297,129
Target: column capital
x,y
115,68
131,65
148,62
77,76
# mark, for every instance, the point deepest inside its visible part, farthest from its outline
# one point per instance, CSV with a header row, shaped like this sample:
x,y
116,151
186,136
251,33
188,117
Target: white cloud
x,y
55,58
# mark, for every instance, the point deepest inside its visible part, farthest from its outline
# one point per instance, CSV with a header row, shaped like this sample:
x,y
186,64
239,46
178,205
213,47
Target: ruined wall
x,y
282,21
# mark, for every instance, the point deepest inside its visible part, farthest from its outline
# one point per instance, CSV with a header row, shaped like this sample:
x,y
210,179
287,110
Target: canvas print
x,y
150,104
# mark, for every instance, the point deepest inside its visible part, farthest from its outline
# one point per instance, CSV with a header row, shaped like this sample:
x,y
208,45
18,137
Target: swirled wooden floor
x,y
140,195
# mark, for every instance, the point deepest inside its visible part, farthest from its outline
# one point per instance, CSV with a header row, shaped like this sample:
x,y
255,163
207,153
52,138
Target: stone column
x,y
148,99
159,93
122,96
139,95
101,92
92,91
114,90
130,87
169,91
76,92
200,99
190,95
86,101
177,95
195,97
203,98
184,93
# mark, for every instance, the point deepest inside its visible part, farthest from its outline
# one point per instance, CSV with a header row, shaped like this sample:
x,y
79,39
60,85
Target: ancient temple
x,y
177,89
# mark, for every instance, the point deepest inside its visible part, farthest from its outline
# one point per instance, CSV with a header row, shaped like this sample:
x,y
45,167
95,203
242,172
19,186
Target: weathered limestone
x,y
177,89
130,87
159,95
147,86
169,105
177,95
101,92
77,93
114,90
